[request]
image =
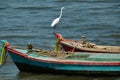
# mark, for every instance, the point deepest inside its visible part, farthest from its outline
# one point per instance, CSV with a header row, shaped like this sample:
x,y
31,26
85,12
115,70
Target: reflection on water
x,y
23,21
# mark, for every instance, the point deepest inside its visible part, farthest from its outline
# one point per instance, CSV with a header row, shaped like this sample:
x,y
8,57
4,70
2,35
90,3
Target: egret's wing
x,y
55,21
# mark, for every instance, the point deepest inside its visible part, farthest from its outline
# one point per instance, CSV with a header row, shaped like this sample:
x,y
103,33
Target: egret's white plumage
x,y
55,21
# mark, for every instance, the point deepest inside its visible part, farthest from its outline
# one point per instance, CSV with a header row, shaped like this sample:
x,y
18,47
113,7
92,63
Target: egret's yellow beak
x,y
65,7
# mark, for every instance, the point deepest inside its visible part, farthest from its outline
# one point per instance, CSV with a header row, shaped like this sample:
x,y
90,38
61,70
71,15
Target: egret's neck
x,y
60,13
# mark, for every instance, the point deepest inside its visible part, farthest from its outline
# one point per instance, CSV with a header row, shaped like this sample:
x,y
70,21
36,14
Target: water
x,y
23,21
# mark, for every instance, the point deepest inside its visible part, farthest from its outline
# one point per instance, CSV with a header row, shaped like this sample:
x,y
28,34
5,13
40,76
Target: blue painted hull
x,y
26,63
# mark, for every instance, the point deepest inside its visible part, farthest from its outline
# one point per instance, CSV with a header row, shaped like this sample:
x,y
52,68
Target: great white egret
x,y
55,21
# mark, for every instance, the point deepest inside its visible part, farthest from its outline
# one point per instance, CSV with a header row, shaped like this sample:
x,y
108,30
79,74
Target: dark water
x,y
23,21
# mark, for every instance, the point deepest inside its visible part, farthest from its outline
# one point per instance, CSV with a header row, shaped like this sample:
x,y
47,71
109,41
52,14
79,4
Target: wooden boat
x,y
84,46
64,62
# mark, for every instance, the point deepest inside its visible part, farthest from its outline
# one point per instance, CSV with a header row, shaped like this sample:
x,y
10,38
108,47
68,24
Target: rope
x,y
3,56
3,62
1,66
75,46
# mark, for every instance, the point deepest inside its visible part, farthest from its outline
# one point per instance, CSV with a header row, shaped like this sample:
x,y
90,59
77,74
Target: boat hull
x,y
28,64
35,69
72,49
83,46
75,49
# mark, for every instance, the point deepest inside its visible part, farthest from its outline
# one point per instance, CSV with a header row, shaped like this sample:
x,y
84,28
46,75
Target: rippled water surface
x,y
23,21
